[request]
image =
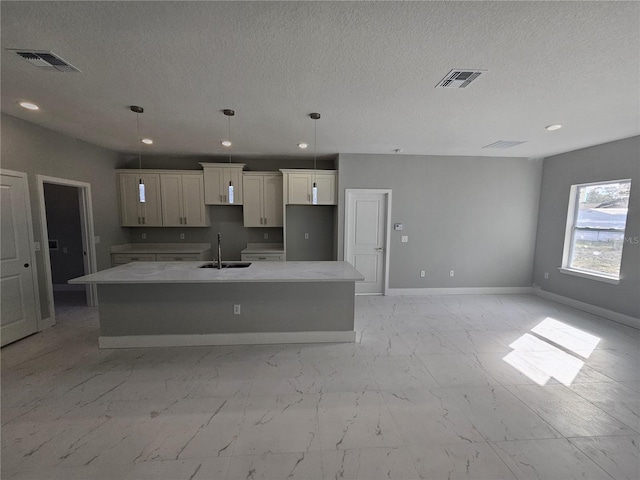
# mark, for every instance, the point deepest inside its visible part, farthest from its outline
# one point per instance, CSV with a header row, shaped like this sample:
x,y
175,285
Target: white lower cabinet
x,y
262,257
262,199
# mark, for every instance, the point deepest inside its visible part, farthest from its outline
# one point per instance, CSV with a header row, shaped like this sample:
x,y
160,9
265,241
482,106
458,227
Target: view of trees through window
x,y
598,227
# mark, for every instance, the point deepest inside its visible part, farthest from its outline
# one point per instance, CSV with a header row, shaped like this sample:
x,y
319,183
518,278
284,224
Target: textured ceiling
x,y
369,68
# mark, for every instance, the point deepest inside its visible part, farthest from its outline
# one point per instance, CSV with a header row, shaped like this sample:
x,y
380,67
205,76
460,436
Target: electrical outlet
x,y
96,239
65,250
546,275
306,236
36,246
143,236
182,236
236,309
422,273
404,239
266,236
451,272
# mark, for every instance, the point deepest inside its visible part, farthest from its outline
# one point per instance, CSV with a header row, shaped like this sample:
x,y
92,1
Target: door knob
x,y
379,249
26,265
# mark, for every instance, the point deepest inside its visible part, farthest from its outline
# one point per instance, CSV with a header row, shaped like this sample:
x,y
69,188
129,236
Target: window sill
x,y
592,276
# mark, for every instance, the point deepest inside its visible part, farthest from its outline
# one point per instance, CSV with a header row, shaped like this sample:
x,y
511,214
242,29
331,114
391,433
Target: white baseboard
x,y
265,338
63,287
587,307
394,292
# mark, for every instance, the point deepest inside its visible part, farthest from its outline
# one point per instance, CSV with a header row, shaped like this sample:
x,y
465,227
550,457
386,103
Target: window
x,y
595,228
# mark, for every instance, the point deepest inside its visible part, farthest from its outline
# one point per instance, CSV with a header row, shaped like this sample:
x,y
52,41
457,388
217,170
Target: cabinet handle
x,y
185,220
144,220
221,198
260,220
308,197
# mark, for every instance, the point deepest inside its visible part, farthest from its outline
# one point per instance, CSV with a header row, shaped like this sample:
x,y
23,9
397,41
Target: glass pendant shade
x,y
141,195
230,192
314,194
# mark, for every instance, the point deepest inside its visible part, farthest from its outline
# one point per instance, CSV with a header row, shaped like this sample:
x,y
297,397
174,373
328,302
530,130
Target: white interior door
x,y
366,238
18,312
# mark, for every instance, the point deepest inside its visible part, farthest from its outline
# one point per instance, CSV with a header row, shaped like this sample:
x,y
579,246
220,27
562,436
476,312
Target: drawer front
x,y
262,257
178,257
141,257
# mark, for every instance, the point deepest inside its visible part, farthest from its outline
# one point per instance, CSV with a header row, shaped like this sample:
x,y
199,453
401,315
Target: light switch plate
x,y
36,246
96,239
397,227
404,239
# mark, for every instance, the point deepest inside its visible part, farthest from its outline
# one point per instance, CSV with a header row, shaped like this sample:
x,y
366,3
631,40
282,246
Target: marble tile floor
x,y
443,387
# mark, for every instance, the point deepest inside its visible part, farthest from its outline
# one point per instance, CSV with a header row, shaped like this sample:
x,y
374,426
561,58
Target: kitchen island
x,y
150,304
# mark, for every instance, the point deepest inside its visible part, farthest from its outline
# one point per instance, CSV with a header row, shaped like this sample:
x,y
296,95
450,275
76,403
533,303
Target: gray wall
x,y
474,215
226,219
38,151
63,224
318,222
610,161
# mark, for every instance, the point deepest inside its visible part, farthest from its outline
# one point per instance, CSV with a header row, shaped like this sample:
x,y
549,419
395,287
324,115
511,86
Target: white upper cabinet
x,y
298,185
216,183
183,200
262,199
172,199
133,212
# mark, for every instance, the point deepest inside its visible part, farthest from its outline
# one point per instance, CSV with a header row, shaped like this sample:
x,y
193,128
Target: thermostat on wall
x,y
397,226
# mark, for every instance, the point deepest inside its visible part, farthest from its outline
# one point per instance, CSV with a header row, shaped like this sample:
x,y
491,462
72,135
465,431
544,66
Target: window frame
x,y
571,228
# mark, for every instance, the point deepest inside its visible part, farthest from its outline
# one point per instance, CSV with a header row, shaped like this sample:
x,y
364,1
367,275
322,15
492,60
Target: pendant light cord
x,y
315,149
229,118
139,141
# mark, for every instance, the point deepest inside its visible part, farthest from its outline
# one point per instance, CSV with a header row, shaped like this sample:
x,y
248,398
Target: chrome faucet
x,y
219,253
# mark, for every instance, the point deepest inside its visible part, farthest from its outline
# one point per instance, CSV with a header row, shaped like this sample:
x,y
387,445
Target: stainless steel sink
x,y
227,265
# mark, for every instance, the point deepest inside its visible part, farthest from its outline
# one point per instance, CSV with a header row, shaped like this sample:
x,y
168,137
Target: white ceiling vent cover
x,y
504,144
46,60
459,78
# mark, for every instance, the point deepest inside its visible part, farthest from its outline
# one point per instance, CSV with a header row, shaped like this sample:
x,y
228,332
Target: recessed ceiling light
x,y
226,143
303,145
29,106
555,126
147,141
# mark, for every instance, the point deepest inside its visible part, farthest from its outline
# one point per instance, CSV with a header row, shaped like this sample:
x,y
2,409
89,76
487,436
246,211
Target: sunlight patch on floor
x,y
553,352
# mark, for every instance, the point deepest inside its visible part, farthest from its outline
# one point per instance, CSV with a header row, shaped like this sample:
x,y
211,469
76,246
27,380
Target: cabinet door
x,y
326,183
213,179
299,189
171,191
129,204
272,200
252,209
133,213
194,211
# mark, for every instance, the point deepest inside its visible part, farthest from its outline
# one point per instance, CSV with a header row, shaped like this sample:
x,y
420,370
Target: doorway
x,y
67,232
367,233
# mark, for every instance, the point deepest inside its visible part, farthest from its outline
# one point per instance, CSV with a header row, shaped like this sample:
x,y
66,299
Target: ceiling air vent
x,y
45,60
504,144
459,78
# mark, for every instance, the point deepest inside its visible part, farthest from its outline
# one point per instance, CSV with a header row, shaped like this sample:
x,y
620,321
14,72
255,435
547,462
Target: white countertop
x,y
264,248
161,248
188,272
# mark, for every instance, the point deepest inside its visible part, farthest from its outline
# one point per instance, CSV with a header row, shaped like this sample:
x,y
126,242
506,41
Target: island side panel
x,y
191,309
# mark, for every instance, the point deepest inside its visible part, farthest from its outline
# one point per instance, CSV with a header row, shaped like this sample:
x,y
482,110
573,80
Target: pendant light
x,y
227,143
141,194
314,191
